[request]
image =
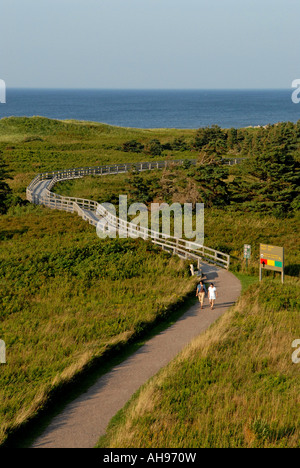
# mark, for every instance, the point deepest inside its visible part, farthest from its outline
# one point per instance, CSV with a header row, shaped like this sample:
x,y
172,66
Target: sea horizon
x,y
146,89
156,108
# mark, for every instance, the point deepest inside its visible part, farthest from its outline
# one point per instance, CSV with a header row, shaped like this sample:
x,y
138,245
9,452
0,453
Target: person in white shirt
x,y
212,295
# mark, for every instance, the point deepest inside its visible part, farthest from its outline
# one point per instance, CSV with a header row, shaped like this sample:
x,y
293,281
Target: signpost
x,y
271,258
247,253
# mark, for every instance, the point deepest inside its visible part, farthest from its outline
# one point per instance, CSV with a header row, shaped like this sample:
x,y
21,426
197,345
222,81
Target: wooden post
x,y
282,273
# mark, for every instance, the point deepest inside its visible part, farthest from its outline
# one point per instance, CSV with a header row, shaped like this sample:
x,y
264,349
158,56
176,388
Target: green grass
x,y
37,144
64,395
246,280
67,297
234,386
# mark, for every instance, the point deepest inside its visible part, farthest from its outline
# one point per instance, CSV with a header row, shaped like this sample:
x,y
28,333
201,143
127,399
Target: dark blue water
x,y
156,109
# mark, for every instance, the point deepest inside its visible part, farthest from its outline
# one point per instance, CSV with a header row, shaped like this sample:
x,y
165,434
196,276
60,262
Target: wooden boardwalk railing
x,y
39,192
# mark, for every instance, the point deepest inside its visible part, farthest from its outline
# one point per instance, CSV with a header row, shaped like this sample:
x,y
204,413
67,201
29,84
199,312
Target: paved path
x,y
85,419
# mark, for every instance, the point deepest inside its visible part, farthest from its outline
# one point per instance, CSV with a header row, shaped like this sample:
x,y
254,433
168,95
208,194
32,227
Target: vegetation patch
x,y
67,297
234,386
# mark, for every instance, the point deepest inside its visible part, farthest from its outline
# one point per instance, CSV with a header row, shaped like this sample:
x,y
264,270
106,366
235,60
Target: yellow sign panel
x,y
271,257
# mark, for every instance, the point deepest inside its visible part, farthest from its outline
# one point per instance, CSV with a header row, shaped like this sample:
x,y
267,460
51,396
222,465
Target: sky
x,y
150,44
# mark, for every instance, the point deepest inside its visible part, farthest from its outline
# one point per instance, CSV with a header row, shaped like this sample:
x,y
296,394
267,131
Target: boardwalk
x,y
85,419
39,191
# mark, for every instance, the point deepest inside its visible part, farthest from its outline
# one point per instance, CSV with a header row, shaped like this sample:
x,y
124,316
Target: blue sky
x,y
150,44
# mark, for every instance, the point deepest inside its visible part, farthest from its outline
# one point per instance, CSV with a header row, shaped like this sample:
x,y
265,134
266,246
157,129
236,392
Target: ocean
x,y
180,109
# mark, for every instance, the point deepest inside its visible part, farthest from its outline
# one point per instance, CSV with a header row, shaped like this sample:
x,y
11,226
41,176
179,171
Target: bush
x,y
132,146
155,148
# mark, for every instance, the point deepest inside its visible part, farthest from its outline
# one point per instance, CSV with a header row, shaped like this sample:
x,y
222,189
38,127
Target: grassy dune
x,y
67,297
234,386
38,144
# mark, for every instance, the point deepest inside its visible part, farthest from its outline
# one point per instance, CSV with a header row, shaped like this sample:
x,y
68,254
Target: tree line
x,y
218,141
268,181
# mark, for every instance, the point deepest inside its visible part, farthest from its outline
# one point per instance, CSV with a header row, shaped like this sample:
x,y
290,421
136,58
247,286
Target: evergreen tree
x,y
132,146
209,136
211,176
179,144
141,190
155,147
5,191
232,139
269,181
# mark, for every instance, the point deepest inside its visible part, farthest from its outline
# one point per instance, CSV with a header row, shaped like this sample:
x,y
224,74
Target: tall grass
x,y
37,144
234,386
66,297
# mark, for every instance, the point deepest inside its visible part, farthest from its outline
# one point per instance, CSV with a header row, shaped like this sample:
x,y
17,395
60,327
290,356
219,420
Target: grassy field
x,y
66,297
37,144
234,386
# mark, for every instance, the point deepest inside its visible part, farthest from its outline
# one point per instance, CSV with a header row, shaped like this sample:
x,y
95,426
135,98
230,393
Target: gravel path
x,y
85,419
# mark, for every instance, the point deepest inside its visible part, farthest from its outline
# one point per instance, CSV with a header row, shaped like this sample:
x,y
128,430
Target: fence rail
x,y
93,211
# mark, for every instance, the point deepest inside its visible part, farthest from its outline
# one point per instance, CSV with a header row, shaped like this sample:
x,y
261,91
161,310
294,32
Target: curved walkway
x,y
39,191
85,419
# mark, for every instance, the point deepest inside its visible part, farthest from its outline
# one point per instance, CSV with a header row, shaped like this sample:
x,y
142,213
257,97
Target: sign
x,y
271,258
247,251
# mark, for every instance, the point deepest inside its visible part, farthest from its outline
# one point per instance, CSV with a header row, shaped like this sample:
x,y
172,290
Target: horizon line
x,y
143,89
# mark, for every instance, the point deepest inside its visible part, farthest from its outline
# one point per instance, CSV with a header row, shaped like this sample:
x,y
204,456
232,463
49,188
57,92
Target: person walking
x,y
212,295
200,292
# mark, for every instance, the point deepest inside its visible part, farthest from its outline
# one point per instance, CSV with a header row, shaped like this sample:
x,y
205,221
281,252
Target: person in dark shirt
x,y
200,292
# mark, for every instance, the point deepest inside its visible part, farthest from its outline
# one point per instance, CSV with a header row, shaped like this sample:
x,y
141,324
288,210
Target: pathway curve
x,y
85,419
